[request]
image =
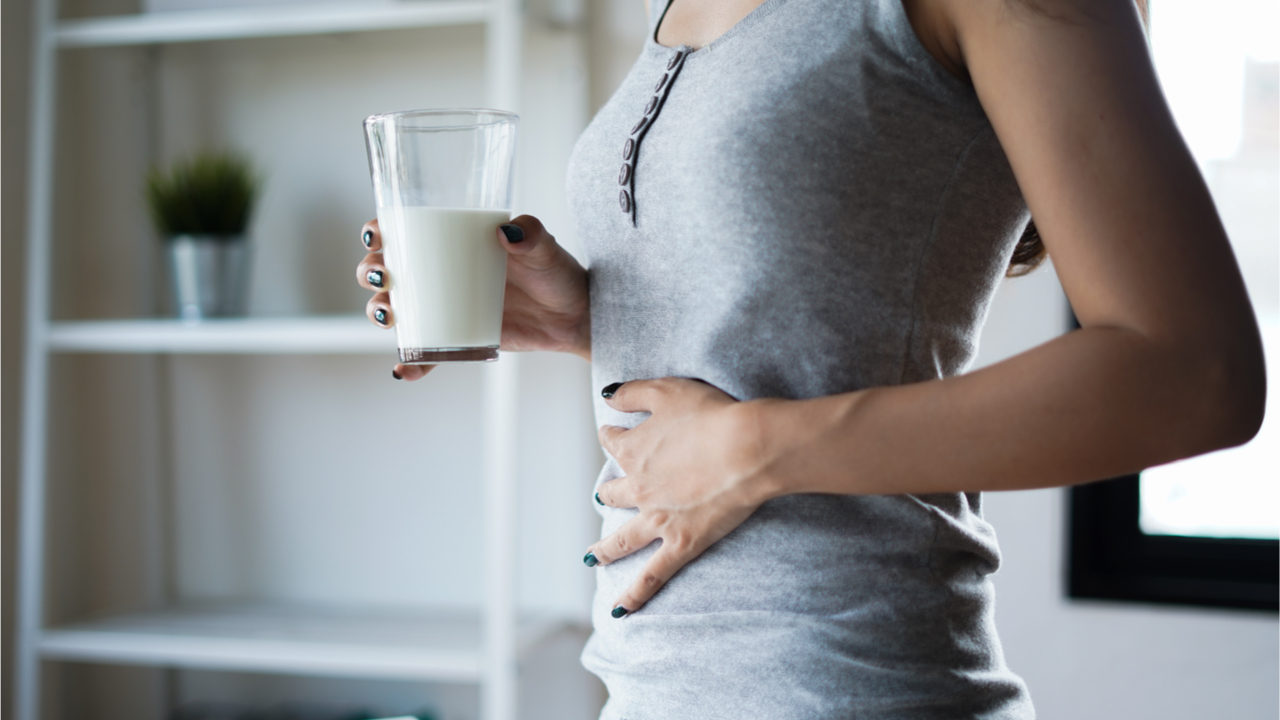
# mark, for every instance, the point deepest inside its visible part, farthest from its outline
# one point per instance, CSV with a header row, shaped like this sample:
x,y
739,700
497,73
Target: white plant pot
x,y
208,275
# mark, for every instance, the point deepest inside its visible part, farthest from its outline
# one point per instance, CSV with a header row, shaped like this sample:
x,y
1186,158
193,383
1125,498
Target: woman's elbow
x,y
1237,390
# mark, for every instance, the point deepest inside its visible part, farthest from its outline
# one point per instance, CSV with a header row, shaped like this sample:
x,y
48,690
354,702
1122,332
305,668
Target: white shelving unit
x,y
443,647
483,646
259,336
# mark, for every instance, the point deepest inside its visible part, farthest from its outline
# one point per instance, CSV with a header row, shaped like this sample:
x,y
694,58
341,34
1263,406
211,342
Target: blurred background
x,y
315,481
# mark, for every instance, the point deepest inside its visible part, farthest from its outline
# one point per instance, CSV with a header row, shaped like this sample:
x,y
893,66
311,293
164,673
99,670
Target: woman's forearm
x,y
1092,404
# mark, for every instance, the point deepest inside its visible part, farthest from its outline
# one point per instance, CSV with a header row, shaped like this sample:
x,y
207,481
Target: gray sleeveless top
x,y
809,205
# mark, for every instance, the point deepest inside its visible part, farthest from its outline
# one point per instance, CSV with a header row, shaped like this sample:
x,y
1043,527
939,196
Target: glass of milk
x,y
442,180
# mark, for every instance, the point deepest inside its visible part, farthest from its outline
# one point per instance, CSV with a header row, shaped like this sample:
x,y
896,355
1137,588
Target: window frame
x,y
1110,558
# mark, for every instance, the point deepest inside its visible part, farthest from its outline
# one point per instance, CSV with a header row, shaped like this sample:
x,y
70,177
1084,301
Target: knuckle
x,y
678,543
622,545
650,582
660,519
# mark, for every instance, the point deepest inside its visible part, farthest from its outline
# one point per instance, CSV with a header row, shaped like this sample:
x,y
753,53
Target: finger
x,y
378,310
371,236
637,395
372,274
634,534
614,441
410,372
619,493
664,564
655,395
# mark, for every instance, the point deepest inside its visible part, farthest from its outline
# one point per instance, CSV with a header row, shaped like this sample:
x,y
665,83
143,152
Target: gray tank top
x,y
809,205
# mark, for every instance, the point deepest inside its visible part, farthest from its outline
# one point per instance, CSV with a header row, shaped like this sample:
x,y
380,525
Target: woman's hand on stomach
x,y
695,469
546,306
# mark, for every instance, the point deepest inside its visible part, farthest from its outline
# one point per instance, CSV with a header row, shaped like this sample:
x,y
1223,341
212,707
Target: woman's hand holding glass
x,y
546,306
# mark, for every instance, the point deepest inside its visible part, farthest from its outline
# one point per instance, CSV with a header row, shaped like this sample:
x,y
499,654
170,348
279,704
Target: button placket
x,y
631,150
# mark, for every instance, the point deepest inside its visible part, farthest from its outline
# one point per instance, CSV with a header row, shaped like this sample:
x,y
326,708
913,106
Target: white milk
x,y
448,270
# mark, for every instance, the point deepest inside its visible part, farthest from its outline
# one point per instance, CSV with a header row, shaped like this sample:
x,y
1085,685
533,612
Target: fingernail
x,y
619,611
598,500
396,375
609,390
380,316
367,238
591,560
374,277
514,233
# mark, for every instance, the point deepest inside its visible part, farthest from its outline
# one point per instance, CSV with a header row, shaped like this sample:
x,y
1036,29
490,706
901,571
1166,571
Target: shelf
x,y
253,22
441,646
300,335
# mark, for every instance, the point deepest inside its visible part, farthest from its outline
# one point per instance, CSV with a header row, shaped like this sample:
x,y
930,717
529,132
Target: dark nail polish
x,y
396,375
380,316
609,390
367,238
514,233
619,611
598,500
591,560
374,277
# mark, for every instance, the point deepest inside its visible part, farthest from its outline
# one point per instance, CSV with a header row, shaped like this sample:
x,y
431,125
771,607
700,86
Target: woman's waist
x,y
819,555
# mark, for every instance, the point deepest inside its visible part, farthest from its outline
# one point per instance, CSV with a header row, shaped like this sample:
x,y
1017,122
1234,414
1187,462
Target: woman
x,y
796,213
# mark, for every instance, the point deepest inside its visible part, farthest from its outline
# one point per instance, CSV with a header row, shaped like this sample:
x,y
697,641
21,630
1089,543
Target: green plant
x,y
209,194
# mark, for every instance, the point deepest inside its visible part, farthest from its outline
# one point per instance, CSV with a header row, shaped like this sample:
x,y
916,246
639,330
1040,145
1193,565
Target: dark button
x,y
675,59
662,82
653,103
624,200
624,174
639,126
629,148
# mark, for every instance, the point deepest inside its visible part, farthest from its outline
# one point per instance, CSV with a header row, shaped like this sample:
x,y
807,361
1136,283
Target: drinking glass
x,y
442,180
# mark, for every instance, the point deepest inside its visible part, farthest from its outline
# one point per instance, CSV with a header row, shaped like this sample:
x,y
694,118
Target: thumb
x,y
529,244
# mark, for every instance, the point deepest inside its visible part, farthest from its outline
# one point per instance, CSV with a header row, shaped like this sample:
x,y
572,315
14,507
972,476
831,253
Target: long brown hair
x,y
1030,252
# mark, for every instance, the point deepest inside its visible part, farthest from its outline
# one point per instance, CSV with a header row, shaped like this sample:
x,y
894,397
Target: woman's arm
x,y
1168,362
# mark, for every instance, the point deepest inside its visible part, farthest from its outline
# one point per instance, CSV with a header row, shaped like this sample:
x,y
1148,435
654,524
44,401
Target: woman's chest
x,y
756,142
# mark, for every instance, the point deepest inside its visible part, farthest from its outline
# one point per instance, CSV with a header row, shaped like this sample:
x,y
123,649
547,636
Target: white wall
x,y
1107,660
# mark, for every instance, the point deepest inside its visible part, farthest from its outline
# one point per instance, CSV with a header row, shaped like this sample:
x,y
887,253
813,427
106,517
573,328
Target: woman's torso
x,y
814,206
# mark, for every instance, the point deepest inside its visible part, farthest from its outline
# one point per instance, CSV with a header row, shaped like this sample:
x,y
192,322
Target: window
x,y
1204,531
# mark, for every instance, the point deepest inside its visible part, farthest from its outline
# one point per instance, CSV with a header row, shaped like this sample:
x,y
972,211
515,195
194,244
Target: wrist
x,y
765,450
804,445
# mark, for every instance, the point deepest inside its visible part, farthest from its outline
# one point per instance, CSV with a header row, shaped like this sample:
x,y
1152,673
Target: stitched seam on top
x,y
927,245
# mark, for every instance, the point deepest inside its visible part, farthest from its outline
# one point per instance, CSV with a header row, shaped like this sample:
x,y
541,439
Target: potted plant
x,y
201,209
